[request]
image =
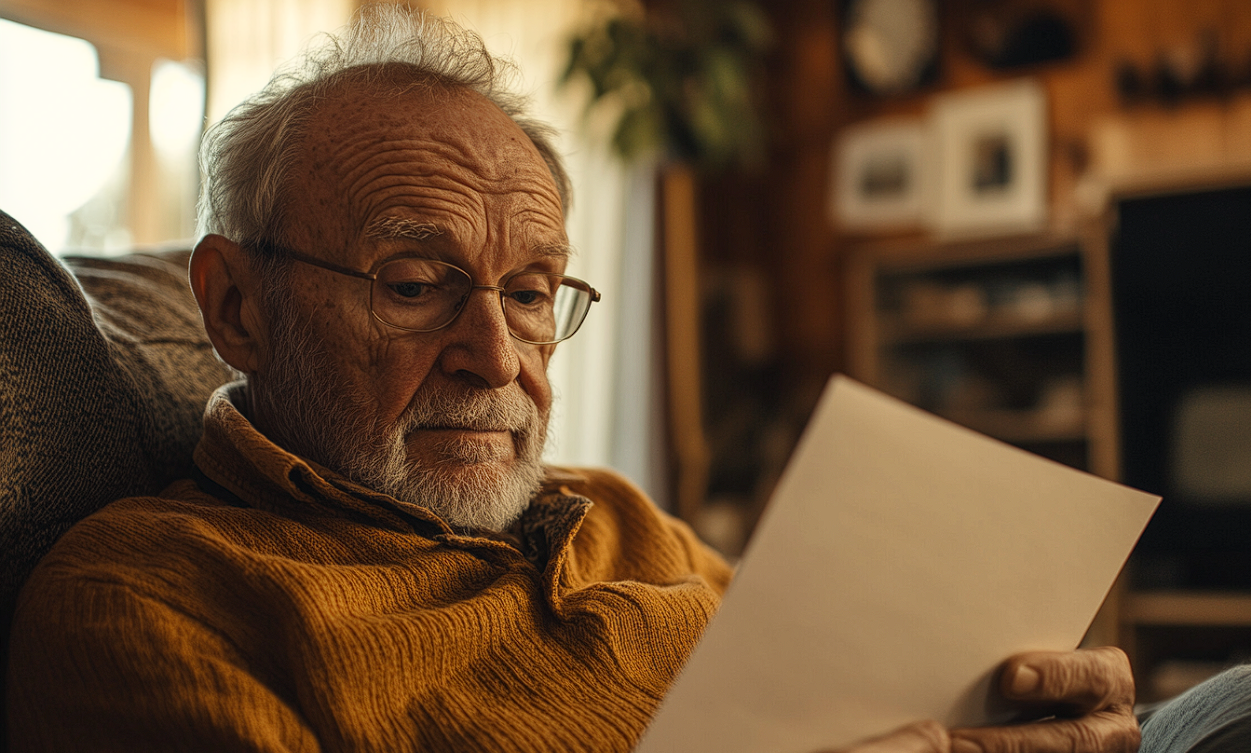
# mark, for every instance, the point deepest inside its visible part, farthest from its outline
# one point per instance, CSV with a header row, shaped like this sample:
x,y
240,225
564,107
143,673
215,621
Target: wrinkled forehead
x,y
361,117
416,148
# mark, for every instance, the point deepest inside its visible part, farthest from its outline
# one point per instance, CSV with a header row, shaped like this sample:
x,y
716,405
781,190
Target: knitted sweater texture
x,y
272,605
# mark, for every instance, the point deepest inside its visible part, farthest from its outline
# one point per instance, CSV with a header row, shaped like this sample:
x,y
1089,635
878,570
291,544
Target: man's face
x,y
452,419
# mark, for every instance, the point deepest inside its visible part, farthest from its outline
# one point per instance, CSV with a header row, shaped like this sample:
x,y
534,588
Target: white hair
x,y
246,158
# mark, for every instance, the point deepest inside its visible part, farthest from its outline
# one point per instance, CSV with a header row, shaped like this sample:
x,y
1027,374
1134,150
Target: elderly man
x,y
371,555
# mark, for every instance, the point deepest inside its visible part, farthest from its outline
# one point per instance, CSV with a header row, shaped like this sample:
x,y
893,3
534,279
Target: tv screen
x,y
1181,286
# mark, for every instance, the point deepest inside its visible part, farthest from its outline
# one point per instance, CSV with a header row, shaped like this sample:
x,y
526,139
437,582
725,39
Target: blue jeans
x,y
1213,717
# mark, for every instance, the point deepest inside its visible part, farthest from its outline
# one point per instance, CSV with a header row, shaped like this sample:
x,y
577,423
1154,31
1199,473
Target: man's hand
x,y
1087,697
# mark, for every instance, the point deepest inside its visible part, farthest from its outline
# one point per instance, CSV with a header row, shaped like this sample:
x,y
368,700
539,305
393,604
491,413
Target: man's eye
x,y
409,289
526,297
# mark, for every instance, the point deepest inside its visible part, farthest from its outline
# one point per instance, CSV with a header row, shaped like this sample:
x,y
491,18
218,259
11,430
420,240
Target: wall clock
x,y
890,46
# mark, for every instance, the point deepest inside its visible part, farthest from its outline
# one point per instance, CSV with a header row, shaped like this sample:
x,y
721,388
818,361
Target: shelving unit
x,y
1010,337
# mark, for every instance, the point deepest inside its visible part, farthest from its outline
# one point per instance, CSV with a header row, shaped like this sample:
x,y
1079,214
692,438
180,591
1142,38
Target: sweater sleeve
x,y
96,666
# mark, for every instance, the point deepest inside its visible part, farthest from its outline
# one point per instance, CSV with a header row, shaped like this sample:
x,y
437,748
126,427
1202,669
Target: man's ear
x,y
228,291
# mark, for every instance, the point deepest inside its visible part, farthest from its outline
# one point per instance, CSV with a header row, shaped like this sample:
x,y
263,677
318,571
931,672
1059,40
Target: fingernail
x,y
1026,680
960,745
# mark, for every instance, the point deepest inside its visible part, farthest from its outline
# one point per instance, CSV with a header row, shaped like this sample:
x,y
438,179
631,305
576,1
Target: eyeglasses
x,y
424,295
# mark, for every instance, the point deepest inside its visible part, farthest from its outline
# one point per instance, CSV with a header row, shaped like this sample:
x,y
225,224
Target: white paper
x,y
901,560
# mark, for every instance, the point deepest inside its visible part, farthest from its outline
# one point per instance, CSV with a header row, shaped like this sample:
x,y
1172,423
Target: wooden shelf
x,y
1021,426
993,327
919,256
1189,608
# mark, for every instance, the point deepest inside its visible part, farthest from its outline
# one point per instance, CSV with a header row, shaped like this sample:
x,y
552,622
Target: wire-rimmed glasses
x,y
416,294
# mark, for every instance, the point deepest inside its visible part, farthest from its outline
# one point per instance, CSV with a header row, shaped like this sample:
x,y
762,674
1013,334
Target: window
x,y
97,152
64,139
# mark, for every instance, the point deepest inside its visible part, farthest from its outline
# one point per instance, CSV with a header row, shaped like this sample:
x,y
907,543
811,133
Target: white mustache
x,y
505,409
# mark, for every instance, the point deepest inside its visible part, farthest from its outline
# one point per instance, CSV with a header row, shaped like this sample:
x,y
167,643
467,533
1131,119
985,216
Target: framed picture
x,y
880,176
992,159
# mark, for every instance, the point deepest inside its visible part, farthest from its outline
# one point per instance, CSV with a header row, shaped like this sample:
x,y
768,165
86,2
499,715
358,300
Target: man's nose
x,y
481,348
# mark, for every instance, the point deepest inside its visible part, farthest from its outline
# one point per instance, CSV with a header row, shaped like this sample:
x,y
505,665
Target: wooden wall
x,y
776,220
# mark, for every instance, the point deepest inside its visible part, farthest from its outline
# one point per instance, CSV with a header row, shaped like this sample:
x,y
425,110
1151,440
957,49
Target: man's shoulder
x,y
133,530
182,499
590,481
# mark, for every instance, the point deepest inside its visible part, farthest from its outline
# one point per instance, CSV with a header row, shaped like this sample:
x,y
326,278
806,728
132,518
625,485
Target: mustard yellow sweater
x,y
273,605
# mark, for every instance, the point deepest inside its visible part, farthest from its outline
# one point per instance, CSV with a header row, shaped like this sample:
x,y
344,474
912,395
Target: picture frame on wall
x,y
881,175
991,144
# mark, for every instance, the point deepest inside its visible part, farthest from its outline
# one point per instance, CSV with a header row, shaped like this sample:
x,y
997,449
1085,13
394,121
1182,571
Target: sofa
x,y
104,373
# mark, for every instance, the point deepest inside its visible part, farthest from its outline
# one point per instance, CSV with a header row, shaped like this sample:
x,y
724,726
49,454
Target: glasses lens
x,y
419,294
544,308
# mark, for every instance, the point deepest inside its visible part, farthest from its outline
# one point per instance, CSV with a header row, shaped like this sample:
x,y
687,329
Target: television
x,y
1181,290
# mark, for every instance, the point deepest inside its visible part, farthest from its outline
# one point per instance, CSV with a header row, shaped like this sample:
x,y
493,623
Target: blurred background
x,y
1028,216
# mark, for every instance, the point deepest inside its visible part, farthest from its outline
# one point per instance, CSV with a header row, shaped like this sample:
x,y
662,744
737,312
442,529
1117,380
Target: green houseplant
x,y
683,79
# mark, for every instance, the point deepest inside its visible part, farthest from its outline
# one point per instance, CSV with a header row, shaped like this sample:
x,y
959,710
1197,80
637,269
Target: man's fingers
x,y
1090,692
1102,732
921,737
1084,681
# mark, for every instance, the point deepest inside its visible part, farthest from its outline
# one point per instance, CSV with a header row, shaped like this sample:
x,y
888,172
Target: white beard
x,y
306,410
462,486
